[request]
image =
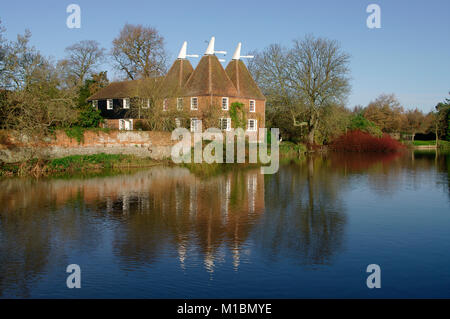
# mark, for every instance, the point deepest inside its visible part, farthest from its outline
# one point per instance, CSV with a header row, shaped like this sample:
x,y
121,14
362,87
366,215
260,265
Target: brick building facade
x,y
208,89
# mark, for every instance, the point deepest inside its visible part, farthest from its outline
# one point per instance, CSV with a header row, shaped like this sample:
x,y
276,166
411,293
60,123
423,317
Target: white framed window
x,y
177,122
194,103
95,103
195,124
252,125
225,103
165,105
146,103
251,106
126,124
179,103
225,124
126,103
109,104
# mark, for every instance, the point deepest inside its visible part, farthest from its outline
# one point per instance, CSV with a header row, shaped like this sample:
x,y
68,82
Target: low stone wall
x,y
16,147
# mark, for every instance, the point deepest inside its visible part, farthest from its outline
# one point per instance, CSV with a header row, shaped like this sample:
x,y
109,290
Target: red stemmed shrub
x,y
359,141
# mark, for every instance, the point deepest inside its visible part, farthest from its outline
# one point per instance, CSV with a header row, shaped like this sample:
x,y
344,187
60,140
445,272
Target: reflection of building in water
x,y
251,189
172,216
171,206
210,217
225,199
192,198
226,208
181,253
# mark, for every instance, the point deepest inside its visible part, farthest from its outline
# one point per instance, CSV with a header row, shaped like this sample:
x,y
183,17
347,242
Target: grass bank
x,y
289,149
93,165
75,164
442,144
423,143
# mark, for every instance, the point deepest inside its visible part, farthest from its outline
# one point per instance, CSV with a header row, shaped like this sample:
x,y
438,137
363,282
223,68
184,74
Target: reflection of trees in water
x,y
442,162
392,172
165,210
447,167
148,213
35,227
382,170
363,162
24,250
304,217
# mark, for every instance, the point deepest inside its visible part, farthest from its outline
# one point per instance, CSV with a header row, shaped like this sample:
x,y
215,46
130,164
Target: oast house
x,y
207,91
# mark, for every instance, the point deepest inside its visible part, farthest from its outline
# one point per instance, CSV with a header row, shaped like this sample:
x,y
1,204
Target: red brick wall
x,y
205,102
97,138
112,124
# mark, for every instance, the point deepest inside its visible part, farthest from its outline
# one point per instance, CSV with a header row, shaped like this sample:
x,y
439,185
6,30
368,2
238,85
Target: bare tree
x,y
302,82
21,62
83,57
2,30
139,52
34,101
318,73
3,49
40,105
269,71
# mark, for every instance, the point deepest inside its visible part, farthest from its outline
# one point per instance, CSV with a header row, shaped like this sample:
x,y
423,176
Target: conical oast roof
x,y
177,77
209,78
243,80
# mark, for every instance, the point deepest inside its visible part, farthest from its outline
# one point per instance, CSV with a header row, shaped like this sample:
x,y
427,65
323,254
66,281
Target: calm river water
x,y
310,230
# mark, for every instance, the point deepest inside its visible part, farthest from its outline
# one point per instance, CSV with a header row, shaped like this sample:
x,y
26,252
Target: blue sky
x,y
408,56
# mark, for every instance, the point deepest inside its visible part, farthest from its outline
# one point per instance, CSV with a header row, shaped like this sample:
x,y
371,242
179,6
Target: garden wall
x,y
17,147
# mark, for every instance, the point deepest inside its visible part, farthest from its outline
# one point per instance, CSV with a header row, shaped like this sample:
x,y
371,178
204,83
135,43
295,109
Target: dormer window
x,y
225,103
109,104
194,103
179,103
252,106
165,105
126,103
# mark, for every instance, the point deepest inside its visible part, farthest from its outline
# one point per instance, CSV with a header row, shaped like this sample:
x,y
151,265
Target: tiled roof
x,y
174,81
209,78
125,89
243,81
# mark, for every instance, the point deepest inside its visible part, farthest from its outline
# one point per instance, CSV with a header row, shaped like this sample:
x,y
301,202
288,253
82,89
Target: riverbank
x,y
427,145
75,165
112,163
